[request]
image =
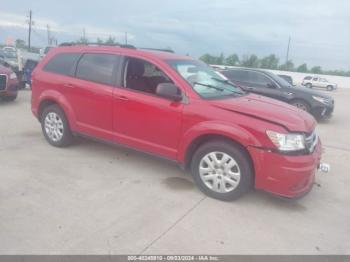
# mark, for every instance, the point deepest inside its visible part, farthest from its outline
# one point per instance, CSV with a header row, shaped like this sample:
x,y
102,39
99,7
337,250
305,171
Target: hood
x,y
271,110
309,91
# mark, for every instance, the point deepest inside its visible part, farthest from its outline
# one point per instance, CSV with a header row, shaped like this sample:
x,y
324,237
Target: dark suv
x,y
268,84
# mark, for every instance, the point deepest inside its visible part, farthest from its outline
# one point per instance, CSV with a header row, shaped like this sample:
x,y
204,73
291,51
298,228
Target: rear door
x,y
91,93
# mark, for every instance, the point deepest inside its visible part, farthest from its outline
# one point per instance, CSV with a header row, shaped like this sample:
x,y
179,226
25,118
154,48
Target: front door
x,y
141,118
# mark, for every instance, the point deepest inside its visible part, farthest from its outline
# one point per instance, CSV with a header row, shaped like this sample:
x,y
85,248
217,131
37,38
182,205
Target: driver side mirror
x,y
271,85
169,91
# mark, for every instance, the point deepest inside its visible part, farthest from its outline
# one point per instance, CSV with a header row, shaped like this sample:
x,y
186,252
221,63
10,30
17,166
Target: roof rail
x,y
96,44
158,49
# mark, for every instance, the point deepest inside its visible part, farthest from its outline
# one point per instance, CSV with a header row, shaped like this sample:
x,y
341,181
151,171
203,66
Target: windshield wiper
x,y
219,88
210,86
229,83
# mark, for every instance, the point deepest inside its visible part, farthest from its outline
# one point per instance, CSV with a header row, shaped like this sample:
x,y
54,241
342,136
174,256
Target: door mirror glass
x,y
169,91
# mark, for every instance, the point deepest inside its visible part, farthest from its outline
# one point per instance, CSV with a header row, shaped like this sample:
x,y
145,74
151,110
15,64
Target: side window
x,y
97,68
143,76
63,64
308,78
237,75
315,79
258,79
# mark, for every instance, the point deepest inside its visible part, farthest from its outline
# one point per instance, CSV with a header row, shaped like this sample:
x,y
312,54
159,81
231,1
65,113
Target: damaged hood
x,y
271,110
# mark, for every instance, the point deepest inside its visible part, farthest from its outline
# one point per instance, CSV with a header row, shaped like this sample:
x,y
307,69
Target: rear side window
x,y
258,79
62,64
238,75
98,68
307,78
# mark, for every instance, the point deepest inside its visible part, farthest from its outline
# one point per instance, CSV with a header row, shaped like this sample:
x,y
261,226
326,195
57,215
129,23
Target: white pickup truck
x,y
316,81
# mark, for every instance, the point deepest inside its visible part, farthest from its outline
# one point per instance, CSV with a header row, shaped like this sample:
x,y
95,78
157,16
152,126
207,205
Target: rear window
x,y
97,68
62,63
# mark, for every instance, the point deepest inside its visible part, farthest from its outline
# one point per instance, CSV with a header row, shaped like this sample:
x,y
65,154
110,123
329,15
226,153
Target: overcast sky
x,y
319,30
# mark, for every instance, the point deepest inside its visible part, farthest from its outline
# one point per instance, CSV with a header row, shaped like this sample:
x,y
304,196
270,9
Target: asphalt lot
x,y
93,198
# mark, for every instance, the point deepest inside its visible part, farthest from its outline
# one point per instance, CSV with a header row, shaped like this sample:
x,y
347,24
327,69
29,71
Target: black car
x,y
289,79
268,84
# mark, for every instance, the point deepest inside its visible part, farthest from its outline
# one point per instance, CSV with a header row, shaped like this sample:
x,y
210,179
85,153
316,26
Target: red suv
x,y
178,108
8,84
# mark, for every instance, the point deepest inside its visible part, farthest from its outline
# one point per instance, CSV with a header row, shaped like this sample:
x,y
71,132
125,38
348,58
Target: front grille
x,y
3,82
311,141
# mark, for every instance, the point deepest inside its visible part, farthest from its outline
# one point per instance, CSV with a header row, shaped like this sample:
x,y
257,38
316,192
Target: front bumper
x,y
285,175
324,111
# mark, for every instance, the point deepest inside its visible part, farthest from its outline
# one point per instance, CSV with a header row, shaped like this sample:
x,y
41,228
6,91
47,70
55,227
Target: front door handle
x,y
123,98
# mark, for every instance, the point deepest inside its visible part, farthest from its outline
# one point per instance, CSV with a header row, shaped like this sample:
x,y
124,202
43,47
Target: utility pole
x,y
84,33
287,57
48,35
126,38
30,28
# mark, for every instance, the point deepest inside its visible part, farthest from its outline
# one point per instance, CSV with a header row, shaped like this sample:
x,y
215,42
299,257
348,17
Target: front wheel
x,y
222,170
308,85
55,126
301,105
10,98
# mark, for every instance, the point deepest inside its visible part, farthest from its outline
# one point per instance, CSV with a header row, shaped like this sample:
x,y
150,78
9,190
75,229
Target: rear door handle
x,y
123,98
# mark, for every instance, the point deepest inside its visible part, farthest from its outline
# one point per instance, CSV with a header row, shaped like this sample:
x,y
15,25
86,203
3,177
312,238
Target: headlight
x,y
13,75
320,99
287,142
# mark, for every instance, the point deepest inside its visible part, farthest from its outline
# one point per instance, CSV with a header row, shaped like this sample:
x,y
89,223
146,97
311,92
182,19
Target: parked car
x,y
289,79
8,57
178,108
268,84
321,82
28,68
8,84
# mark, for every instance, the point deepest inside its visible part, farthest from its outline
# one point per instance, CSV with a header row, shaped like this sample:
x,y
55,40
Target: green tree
x,y
20,43
288,66
208,58
269,62
110,40
302,68
232,60
316,70
82,40
99,40
250,61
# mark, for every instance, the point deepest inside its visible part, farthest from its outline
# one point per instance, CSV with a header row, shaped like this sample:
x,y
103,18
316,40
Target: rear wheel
x,y
222,170
55,126
301,105
330,88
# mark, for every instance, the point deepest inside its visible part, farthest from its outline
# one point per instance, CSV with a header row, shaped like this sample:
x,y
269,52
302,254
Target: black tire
x,y
301,104
235,152
330,88
66,138
308,85
9,98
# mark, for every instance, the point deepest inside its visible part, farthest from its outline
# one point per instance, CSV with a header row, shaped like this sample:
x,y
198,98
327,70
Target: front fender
x,y
62,101
229,130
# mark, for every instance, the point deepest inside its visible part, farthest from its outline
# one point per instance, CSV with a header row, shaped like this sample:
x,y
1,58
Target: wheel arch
x,y
54,98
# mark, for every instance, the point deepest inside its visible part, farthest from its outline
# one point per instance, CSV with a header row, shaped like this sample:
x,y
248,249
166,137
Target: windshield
x,y
10,54
204,80
282,82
